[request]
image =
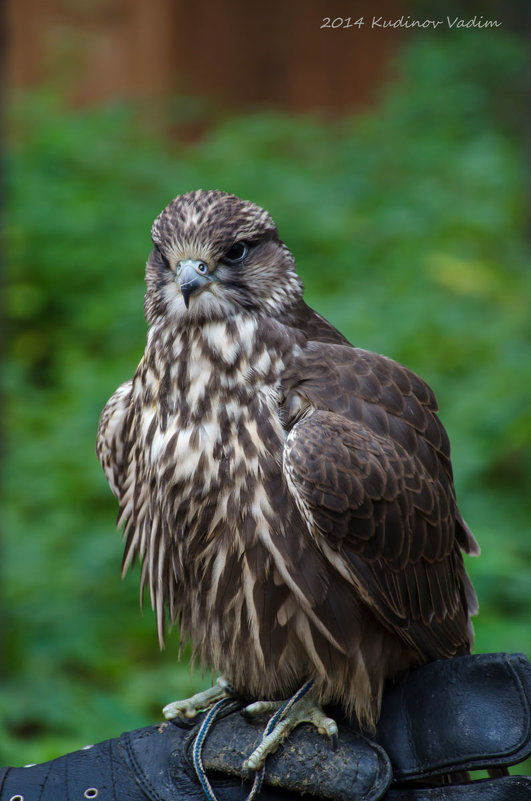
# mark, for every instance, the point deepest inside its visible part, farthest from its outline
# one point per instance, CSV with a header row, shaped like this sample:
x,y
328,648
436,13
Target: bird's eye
x,y
201,267
236,253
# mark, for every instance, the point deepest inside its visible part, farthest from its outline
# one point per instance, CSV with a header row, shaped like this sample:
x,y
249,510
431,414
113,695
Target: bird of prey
x,y
290,496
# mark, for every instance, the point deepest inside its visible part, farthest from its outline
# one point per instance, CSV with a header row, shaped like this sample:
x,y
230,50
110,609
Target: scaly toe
x,y
261,708
189,707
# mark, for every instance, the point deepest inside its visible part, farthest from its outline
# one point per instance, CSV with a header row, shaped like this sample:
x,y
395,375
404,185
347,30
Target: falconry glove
x,y
444,720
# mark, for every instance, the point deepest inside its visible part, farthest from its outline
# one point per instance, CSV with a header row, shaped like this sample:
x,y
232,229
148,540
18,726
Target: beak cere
x,y
192,276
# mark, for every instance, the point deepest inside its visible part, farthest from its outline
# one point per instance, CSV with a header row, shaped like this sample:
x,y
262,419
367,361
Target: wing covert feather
x,y
368,463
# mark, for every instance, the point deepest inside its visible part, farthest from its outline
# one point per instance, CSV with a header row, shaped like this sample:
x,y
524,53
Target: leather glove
x,y
442,721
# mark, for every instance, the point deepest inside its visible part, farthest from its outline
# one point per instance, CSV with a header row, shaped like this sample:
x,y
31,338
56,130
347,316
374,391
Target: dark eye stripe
x,y
161,258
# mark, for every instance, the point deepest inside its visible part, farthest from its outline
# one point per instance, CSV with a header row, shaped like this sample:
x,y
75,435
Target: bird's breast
x,y
212,432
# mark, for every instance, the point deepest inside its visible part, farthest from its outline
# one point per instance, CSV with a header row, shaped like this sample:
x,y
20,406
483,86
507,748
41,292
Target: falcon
x,y
290,496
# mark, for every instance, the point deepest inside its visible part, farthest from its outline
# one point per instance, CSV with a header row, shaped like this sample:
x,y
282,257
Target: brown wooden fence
x,y
239,53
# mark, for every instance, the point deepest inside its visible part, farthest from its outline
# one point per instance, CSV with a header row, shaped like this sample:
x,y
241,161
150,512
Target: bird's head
x,y
216,255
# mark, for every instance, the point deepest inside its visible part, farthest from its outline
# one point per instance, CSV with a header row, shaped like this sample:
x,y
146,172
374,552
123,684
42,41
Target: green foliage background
x,y
408,227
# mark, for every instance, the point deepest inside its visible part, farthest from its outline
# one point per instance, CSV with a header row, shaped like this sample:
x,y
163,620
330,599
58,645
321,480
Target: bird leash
x,y
228,705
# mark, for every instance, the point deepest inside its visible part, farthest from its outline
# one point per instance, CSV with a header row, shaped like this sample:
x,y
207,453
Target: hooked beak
x,y
192,275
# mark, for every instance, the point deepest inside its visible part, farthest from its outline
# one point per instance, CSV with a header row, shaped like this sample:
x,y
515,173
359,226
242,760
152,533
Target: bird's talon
x,y
189,707
304,710
327,727
260,708
248,771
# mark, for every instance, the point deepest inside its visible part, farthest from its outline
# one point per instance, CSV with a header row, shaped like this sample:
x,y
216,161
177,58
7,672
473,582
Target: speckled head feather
x,y
290,496
224,217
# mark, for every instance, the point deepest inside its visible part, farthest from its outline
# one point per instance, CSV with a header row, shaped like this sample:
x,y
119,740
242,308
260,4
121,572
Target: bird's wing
x,y
110,440
129,477
367,462
122,424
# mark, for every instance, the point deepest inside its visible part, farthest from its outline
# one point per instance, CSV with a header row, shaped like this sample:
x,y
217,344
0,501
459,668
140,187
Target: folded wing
x,y
367,461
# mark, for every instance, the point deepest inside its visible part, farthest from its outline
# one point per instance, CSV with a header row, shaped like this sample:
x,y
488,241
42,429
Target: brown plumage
x,y
290,496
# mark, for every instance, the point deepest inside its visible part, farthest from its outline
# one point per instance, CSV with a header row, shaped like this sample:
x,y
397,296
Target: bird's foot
x,y
189,707
301,708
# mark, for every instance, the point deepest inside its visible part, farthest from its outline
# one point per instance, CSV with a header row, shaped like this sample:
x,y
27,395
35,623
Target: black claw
x,y
334,742
248,774
183,723
229,689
